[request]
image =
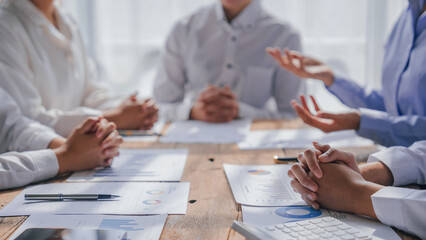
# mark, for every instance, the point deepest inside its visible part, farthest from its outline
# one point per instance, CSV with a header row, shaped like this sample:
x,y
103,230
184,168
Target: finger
x,y
133,97
313,204
333,154
302,177
107,162
110,152
321,147
304,103
317,108
102,126
290,60
113,140
107,129
310,119
299,188
89,124
327,115
312,162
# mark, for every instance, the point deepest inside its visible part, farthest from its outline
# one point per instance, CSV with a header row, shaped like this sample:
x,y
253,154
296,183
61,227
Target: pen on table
x,y
61,197
138,133
284,159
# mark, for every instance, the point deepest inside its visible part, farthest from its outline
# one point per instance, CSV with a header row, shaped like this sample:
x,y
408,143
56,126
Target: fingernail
x,y
311,197
311,187
318,173
323,157
107,152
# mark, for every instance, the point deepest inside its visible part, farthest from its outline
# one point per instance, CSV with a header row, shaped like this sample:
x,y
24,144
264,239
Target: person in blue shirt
x,y
394,115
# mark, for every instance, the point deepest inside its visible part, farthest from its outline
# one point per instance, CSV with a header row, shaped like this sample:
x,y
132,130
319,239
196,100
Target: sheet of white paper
x,y
137,227
139,165
202,132
136,199
300,138
266,216
157,128
262,185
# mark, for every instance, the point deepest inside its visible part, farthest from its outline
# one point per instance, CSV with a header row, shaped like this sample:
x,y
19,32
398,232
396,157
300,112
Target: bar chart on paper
x,y
137,227
139,165
261,185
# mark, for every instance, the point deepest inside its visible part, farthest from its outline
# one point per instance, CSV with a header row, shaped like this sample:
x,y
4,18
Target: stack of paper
x,y
262,185
136,199
140,165
156,130
202,132
300,138
137,227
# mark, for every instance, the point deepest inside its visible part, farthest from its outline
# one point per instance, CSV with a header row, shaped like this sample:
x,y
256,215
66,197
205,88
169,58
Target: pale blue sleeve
x,y
354,96
389,130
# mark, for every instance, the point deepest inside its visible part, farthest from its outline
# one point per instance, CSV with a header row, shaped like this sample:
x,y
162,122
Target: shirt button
x,y
229,66
234,39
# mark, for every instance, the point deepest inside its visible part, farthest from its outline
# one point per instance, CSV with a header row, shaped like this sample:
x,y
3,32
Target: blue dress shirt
x,y
396,114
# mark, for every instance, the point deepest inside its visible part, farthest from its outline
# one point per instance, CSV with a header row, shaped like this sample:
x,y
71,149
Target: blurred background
x,y
125,37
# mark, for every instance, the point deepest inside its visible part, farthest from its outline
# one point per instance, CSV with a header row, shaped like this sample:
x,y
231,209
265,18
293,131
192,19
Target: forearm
x,y
377,172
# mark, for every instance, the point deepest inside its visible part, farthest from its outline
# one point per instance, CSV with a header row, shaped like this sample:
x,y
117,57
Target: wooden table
x,y
211,215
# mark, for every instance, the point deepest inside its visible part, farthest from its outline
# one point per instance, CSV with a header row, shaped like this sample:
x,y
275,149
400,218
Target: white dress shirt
x,y
47,70
403,208
18,133
204,48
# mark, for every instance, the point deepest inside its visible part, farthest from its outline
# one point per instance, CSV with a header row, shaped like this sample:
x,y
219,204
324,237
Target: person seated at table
x,y
330,178
394,115
92,144
45,68
214,68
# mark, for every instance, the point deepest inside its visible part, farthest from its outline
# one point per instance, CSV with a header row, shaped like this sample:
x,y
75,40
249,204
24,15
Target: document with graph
x,y
137,227
136,198
139,165
193,131
262,185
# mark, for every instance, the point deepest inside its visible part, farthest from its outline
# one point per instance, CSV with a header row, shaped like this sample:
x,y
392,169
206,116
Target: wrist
x,y
329,78
363,203
62,154
56,142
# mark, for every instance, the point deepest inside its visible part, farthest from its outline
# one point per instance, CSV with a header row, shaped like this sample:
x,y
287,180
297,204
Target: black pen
x,y
61,197
281,160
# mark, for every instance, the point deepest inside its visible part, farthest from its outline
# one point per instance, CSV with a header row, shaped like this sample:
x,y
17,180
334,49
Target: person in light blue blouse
x,y
394,115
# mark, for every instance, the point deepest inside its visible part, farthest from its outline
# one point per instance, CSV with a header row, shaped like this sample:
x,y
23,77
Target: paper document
x,y
301,138
139,165
136,199
202,132
262,185
265,216
137,227
157,129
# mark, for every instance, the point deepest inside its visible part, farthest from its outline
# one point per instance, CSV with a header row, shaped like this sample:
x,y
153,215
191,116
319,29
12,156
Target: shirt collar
x,y
245,20
30,11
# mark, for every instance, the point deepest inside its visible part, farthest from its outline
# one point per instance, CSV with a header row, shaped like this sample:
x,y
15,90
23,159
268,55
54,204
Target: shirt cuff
x,y
389,207
374,125
395,158
43,140
46,164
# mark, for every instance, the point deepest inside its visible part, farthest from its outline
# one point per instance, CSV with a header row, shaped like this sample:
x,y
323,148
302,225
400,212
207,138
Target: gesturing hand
x,y
302,66
327,122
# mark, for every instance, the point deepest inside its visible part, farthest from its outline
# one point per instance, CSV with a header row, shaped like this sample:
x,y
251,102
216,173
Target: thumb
x,y
90,125
321,147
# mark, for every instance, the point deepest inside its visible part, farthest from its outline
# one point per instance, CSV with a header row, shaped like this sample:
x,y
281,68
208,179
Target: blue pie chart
x,y
298,212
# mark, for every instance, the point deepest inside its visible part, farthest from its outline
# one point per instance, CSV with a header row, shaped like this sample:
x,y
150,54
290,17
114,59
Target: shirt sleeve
x,y
402,208
408,165
19,169
389,130
354,96
18,133
16,77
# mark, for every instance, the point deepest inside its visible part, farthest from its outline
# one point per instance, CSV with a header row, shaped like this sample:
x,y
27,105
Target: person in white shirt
x,y
92,144
214,67
331,179
45,68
